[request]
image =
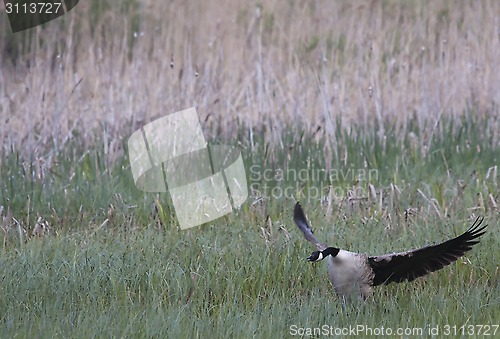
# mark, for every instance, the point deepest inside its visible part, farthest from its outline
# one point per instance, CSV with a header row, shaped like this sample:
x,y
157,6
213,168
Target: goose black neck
x,y
333,251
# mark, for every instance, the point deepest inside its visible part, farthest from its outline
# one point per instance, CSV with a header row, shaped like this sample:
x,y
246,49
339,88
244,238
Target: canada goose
x,y
355,273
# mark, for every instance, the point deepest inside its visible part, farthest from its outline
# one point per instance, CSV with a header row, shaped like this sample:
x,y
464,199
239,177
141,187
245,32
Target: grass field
x,y
397,102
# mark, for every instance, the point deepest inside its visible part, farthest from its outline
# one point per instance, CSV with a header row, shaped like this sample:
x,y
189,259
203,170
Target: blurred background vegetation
x,y
264,66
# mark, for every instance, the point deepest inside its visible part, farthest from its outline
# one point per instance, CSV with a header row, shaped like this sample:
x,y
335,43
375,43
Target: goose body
x,y
355,273
350,274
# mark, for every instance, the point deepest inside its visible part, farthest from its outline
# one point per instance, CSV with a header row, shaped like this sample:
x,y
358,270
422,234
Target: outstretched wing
x,y
301,221
398,267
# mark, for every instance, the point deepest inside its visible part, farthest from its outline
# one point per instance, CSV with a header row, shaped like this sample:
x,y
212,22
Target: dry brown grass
x,y
269,65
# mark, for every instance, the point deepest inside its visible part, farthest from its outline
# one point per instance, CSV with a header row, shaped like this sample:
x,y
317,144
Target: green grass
x,y
245,274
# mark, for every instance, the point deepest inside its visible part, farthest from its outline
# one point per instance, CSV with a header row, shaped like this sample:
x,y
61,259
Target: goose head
x,y
320,255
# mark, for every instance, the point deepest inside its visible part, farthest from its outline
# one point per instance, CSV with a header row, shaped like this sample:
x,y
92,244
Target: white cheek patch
x,y
320,256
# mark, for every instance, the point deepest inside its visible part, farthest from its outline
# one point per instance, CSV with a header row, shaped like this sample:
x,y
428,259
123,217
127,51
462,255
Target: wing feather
x,y
300,220
398,267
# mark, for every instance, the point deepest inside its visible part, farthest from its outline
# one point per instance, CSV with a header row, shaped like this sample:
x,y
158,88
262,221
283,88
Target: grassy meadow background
x,y
397,100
